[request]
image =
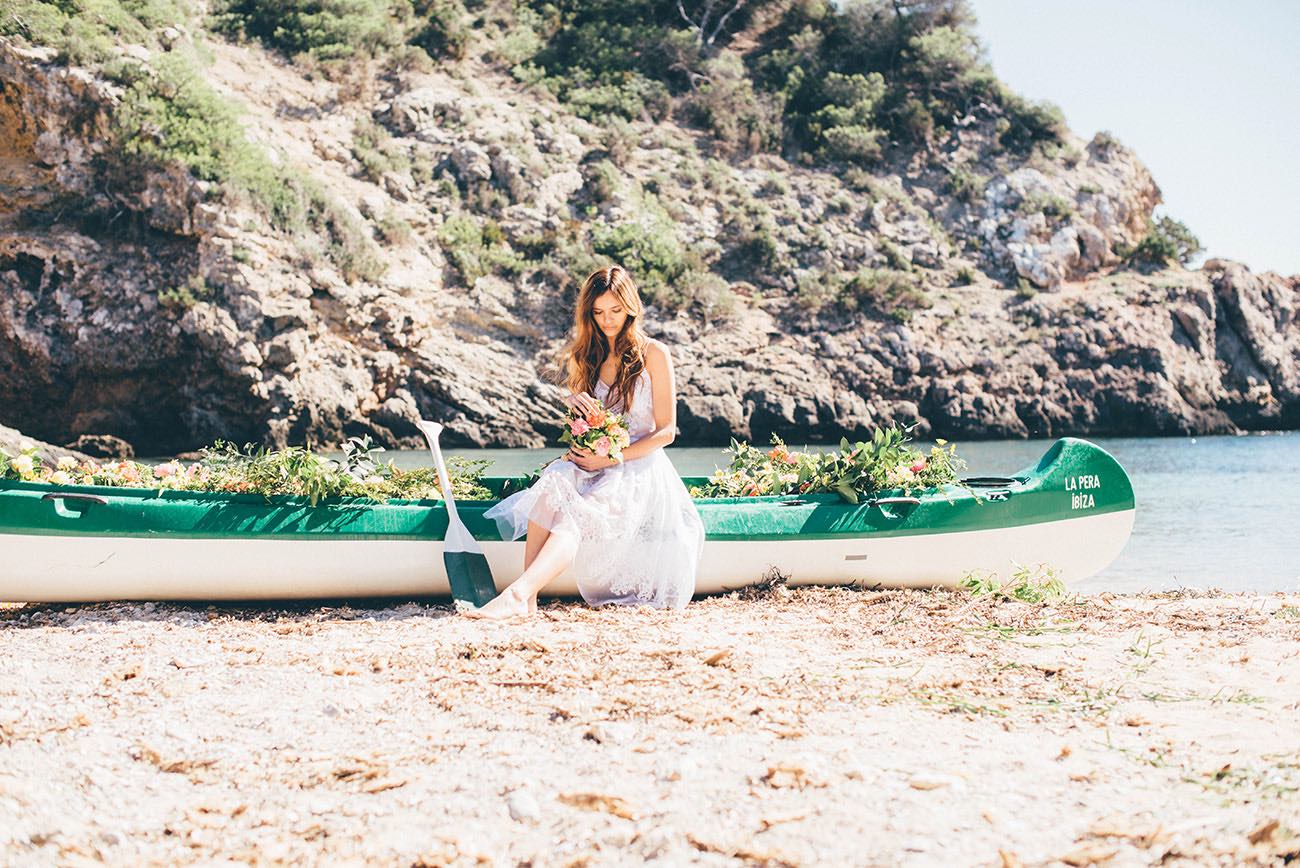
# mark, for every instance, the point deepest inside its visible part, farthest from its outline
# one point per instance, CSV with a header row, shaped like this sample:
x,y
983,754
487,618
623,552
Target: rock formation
x,y
165,315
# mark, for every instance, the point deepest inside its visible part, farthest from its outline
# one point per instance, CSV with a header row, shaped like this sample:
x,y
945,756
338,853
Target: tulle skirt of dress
x,y
639,536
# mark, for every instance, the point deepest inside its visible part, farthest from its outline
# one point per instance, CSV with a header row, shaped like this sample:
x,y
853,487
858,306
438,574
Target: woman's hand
x,y
583,403
589,461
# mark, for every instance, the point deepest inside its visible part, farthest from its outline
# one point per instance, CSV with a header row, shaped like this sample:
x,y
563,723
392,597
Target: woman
x,y
628,528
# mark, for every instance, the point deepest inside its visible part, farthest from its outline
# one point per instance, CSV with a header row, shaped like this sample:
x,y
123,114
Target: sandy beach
x,y
781,728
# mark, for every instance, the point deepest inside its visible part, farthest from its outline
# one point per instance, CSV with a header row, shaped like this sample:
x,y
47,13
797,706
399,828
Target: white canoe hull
x,y
40,568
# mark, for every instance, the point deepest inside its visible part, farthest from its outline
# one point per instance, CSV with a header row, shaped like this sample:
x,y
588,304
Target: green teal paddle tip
x,y
470,577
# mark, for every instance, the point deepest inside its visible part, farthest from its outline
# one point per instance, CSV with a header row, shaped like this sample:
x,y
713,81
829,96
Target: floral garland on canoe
x,y
250,470
885,462
854,471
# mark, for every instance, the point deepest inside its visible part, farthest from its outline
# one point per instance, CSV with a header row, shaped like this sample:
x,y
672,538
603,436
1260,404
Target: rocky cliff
x,y
983,292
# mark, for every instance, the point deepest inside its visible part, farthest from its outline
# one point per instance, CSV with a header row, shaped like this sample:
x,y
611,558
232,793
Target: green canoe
x,y
1073,510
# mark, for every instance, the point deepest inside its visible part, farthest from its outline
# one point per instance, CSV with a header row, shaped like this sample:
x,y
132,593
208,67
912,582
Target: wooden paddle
x,y
467,566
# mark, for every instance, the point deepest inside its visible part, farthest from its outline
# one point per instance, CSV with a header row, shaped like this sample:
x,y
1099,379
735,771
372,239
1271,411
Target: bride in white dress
x,y
628,528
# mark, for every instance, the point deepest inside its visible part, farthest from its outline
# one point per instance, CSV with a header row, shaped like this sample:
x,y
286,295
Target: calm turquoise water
x,y
1213,512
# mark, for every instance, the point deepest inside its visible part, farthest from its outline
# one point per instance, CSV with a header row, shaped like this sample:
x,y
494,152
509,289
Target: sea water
x,y
1212,512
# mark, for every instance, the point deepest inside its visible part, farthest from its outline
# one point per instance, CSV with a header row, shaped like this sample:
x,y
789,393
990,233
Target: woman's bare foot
x,y
508,604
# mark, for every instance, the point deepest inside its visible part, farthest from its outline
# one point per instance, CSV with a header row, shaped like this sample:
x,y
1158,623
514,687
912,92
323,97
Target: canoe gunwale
x,y
1049,493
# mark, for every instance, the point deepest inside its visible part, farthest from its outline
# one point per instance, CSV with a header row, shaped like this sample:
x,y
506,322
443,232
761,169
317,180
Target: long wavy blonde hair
x,y
589,347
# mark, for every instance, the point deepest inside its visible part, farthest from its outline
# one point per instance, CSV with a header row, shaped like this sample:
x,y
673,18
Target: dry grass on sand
x,y
787,728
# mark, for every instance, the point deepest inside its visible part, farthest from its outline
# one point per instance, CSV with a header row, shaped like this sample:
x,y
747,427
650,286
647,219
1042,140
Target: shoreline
x,y
785,726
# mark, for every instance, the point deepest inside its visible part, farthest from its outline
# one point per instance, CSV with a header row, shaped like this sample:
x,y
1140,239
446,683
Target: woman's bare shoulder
x,y
657,351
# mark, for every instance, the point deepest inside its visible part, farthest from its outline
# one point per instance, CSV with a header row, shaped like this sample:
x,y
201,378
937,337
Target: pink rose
x,y
601,447
918,466
165,470
578,427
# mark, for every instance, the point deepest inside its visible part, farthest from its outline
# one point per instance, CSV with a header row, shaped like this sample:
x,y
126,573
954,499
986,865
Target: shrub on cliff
x,y
170,114
443,28
749,242
884,291
725,103
325,31
476,249
843,127
88,32
893,293
608,58
1026,122
374,148
649,248
1167,240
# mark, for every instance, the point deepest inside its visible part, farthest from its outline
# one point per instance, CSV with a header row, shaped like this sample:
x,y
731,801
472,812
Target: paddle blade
x,y
470,577
467,566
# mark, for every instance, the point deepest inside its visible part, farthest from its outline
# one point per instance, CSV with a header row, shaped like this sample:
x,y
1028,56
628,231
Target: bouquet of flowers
x,y
601,431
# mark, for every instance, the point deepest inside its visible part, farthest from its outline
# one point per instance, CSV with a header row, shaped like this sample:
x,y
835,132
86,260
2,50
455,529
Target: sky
x,y
1206,92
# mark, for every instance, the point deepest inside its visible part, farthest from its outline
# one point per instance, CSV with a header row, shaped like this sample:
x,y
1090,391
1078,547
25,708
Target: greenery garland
x,y
855,470
887,461
252,470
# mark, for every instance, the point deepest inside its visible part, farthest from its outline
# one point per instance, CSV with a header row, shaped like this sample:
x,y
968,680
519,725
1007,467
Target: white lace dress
x,y
639,536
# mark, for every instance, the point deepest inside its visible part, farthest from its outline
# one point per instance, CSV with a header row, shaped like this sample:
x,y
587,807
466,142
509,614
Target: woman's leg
x,y
537,537
546,555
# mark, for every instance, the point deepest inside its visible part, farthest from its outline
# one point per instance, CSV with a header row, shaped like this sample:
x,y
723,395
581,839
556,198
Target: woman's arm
x,y
663,392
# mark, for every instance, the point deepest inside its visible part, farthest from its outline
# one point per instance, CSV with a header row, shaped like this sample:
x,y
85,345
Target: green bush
x,y
815,289
650,249
842,128
443,29
842,203
477,249
1027,123
395,230
1104,144
602,180
350,247
522,39
726,104
711,295
187,294
323,29
774,185
1167,240
915,122
894,293
966,185
749,242
1048,204
172,115
87,32
853,143
632,98
944,56
894,257
375,149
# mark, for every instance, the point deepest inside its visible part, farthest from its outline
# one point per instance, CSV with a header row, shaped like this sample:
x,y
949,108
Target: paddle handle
x,y
455,527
